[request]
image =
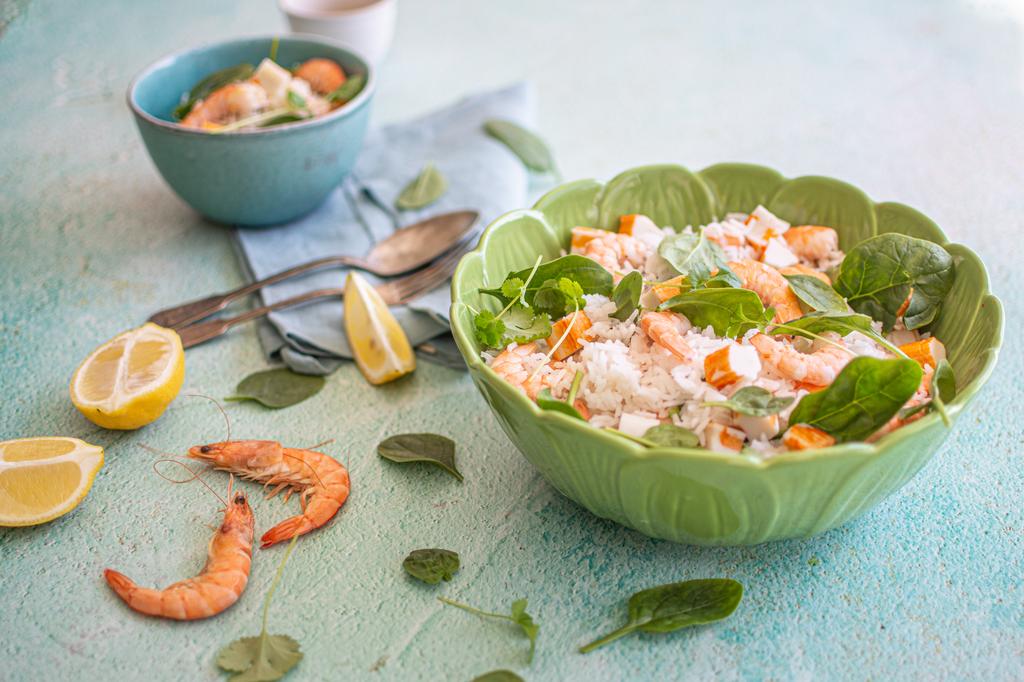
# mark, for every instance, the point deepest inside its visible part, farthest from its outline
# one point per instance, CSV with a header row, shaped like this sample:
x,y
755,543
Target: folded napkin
x,y
482,175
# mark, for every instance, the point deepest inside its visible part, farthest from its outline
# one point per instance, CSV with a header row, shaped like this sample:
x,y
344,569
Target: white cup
x,y
366,25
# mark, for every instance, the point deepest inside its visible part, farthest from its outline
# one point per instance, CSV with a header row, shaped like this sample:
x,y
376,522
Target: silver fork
x,y
394,292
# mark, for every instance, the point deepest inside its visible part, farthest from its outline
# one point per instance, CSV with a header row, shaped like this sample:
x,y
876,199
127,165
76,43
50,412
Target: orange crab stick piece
x,y
721,438
572,343
669,288
927,352
582,235
730,363
804,437
629,223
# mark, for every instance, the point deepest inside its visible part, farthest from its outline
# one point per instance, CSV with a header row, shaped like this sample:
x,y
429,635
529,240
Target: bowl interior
x,y
159,88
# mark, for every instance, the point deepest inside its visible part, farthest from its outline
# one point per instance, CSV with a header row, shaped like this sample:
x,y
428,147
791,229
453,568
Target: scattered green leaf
x,y
267,657
626,295
754,401
671,436
348,90
730,312
519,616
677,605
498,676
277,388
696,257
865,395
431,565
530,149
426,188
880,274
215,80
815,294
421,447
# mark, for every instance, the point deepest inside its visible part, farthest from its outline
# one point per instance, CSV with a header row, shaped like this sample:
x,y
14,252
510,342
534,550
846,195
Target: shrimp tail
x,y
122,585
286,530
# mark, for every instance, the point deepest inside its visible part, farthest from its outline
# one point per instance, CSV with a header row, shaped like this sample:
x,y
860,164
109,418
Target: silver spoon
x,y
406,249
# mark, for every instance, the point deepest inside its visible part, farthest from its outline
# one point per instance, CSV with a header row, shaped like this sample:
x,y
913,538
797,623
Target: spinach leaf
x,y
431,565
530,149
879,274
626,295
423,190
296,100
731,312
696,257
816,294
943,391
348,90
813,325
865,395
591,277
754,401
421,447
277,388
498,676
215,80
519,616
677,605
670,436
546,402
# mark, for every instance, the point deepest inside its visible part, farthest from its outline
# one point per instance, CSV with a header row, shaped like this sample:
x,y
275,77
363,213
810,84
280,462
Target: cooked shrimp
x,y
324,75
218,585
819,368
800,269
321,480
510,365
769,284
226,104
613,251
812,242
666,330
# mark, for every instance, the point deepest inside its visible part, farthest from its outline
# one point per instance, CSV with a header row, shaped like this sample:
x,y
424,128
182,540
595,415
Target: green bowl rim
x,y
473,360
344,111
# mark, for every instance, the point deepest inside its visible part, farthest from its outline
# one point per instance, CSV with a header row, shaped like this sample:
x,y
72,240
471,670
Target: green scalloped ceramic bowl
x,y
697,496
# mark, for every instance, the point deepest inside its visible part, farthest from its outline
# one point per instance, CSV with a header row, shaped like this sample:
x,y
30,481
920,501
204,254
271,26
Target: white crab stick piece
x,y
758,428
730,364
778,255
721,438
275,80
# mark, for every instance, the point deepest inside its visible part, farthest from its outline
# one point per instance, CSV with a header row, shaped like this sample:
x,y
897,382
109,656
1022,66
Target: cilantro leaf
x,y
488,329
263,658
558,296
512,287
521,325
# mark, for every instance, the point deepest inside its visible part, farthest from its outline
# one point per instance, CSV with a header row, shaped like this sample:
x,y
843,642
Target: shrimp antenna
x,y
220,407
320,444
308,466
194,477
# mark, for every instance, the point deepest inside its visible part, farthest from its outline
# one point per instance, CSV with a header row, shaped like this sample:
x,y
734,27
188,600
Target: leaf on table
x,y
426,188
431,565
260,659
498,676
430,448
277,388
530,149
518,615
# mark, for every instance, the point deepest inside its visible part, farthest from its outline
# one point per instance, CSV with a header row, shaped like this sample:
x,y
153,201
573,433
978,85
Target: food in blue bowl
x,y
255,131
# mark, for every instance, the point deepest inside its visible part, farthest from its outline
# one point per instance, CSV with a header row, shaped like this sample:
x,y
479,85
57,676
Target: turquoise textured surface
x,y
919,103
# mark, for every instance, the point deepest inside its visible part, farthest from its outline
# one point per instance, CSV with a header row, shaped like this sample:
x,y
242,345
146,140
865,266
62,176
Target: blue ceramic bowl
x,y
261,177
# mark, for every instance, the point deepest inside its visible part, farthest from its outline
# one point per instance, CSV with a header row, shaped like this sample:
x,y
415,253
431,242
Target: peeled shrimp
x,y
218,585
510,365
769,284
323,75
322,481
613,251
666,330
819,368
812,242
226,104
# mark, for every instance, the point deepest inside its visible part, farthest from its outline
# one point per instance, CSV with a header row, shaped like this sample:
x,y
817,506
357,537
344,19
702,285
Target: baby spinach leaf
x,y
498,676
423,190
677,605
348,90
266,657
277,388
816,294
879,274
865,395
591,277
519,616
546,402
696,257
522,326
813,325
530,149
431,565
626,295
670,436
731,312
296,100
214,81
421,447
943,391
754,401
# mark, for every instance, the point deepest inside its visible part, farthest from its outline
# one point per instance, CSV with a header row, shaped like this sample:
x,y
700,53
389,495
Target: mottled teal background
x,y
917,102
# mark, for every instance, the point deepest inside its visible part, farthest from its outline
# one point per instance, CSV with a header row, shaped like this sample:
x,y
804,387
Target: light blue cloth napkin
x,y
482,175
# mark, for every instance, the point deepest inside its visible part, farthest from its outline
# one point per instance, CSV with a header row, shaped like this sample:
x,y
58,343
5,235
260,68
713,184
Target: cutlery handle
x,y
186,313
199,332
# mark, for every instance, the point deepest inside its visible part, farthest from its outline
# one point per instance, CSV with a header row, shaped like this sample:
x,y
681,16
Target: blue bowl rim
x,y
349,108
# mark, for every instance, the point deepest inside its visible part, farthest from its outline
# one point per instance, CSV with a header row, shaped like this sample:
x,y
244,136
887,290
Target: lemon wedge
x,y
130,380
43,478
379,346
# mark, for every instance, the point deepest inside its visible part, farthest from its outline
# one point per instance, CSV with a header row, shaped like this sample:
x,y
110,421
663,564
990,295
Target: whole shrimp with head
x,y
217,587
322,482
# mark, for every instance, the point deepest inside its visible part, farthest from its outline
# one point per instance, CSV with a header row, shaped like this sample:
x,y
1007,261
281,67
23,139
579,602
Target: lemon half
x,y
379,346
130,380
43,478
